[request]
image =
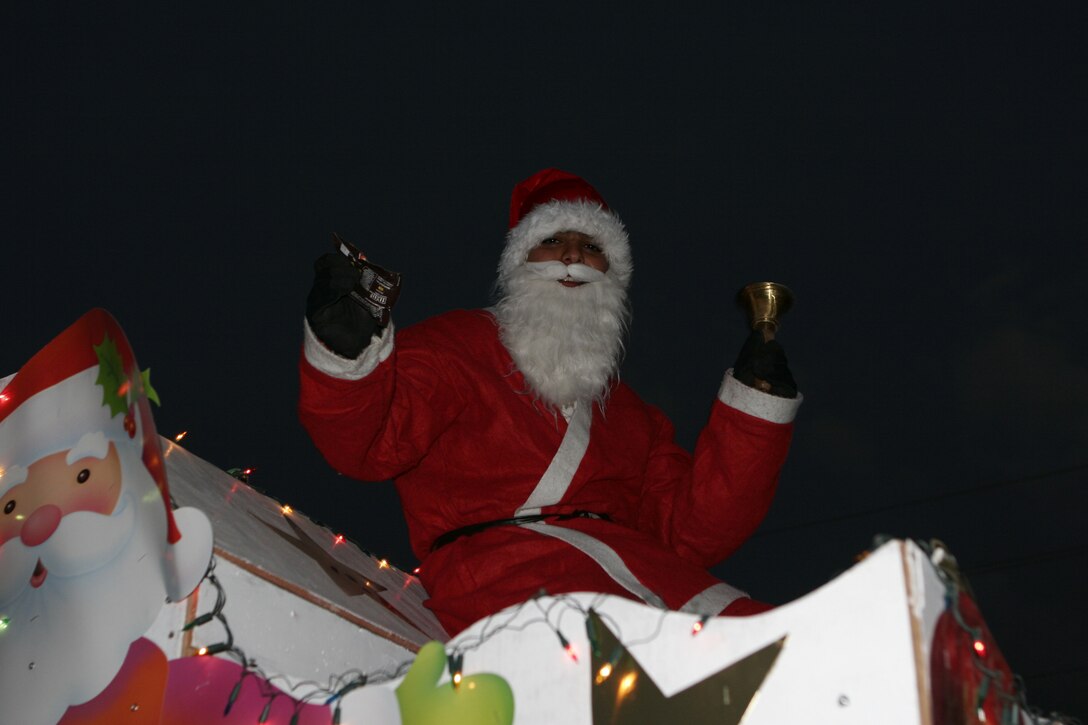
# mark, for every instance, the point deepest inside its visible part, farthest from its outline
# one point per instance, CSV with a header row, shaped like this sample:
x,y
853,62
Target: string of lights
x,y
1011,694
244,474
338,686
1014,704
331,692
552,612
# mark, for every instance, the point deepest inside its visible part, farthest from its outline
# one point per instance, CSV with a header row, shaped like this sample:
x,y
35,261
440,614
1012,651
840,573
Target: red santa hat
x,y
85,380
553,201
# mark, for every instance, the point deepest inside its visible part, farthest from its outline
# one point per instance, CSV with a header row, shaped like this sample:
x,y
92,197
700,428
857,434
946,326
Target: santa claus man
x,y
522,461
89,546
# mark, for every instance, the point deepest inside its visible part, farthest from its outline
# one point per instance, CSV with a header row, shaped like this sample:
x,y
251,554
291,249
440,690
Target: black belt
x,y
514,521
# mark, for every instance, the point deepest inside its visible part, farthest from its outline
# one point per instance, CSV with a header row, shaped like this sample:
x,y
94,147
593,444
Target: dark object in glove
x,y
762,365
377,288
341,323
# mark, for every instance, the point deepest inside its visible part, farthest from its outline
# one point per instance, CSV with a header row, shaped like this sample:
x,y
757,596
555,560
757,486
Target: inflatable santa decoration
x,y
90,548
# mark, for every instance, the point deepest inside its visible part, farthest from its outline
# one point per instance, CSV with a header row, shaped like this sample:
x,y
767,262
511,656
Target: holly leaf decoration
x,y
111,376
150,392
115,383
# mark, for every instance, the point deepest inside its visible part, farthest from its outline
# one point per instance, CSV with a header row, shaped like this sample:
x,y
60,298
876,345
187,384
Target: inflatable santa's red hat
x,y
85,380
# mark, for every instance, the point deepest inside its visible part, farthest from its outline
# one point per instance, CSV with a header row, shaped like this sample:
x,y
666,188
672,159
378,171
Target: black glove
x,y
339,321
760,360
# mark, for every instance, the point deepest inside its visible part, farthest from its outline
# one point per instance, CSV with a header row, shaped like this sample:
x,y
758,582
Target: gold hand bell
x,y
765,303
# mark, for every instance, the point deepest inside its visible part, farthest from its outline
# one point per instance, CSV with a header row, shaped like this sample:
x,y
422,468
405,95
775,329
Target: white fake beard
x,y
566,341
76,627
83,541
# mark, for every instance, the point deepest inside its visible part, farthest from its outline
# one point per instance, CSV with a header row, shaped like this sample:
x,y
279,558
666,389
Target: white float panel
x,y
288,635
849,654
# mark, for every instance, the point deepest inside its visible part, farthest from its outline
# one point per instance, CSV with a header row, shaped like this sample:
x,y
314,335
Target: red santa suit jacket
x,y
445,413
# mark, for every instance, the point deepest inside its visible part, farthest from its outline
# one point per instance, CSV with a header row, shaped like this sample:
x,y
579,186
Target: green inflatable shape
x,y
479,700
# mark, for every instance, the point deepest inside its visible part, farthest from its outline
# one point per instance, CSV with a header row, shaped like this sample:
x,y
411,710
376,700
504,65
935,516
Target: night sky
x,y
916,176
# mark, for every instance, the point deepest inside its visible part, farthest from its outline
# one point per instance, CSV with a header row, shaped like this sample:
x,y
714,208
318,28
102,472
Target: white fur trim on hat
x,y
556,216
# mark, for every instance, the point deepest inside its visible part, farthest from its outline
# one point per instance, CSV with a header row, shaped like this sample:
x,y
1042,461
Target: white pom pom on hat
x,y
553,201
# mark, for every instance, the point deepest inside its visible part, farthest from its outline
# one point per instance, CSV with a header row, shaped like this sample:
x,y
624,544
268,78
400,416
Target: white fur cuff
x,y
748,400
331,364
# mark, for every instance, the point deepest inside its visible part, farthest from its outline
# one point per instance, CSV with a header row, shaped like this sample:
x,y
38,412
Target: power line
x,y
1043,556
993,485
1055,673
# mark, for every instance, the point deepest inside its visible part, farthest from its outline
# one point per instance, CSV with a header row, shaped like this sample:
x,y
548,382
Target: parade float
x,y
141,584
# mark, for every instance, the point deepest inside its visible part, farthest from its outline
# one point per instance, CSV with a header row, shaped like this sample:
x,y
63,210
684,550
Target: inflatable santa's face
x,y
89,547
55,487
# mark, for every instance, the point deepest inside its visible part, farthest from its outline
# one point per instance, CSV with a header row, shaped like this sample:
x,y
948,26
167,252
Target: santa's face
x,y
54,488
570,247
567,338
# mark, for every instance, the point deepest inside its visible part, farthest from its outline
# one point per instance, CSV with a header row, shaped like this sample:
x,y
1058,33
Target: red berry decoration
x,y
130,424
